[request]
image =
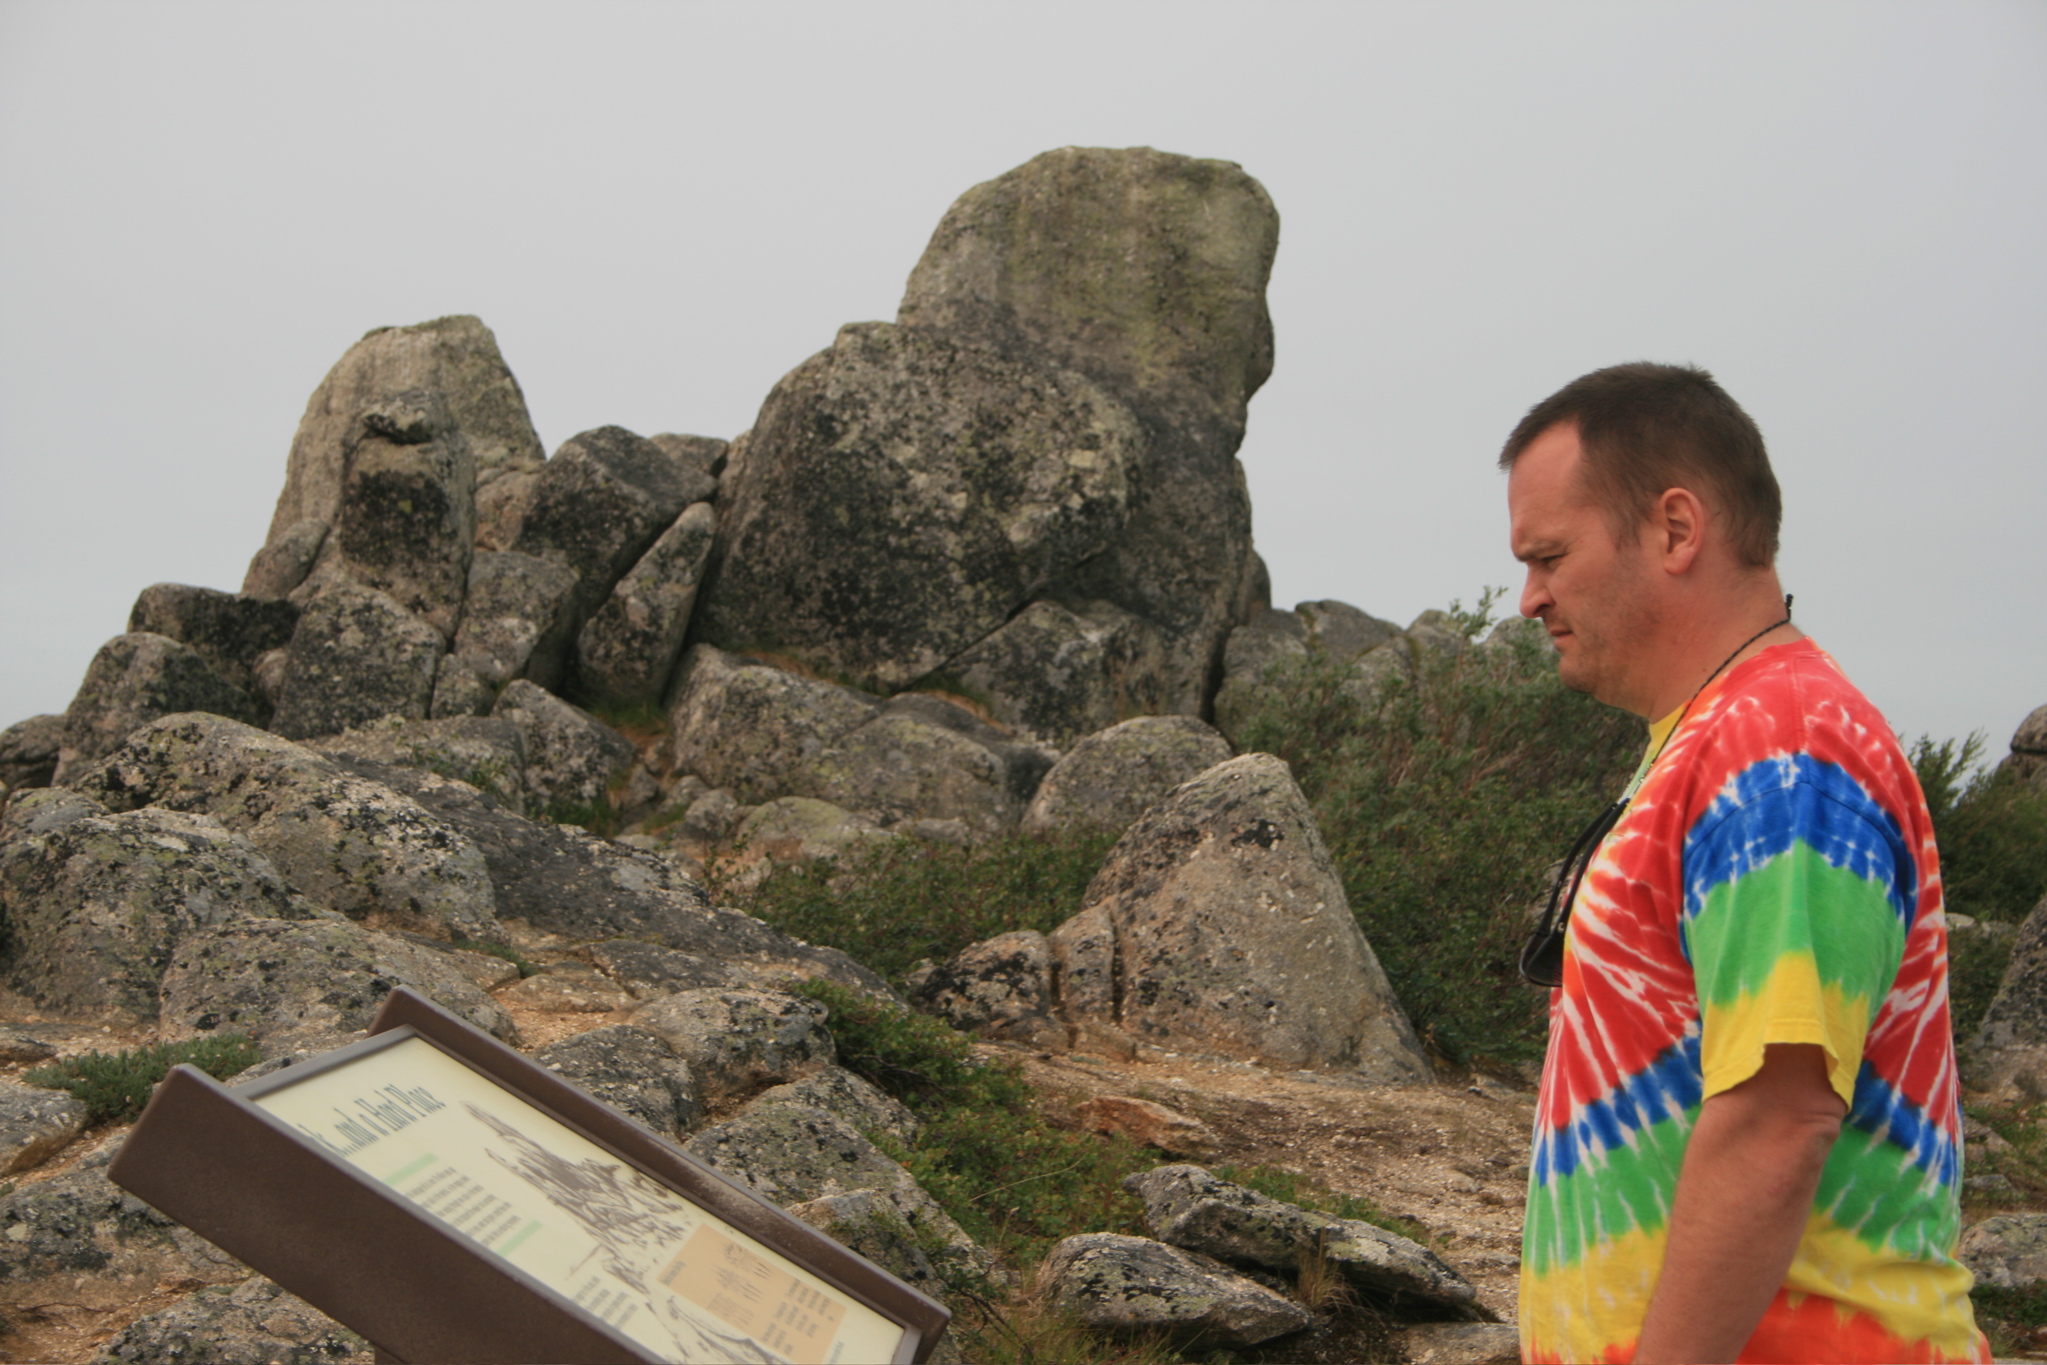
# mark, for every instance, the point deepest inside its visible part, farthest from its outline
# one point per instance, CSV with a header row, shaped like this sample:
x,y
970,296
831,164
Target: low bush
x,y
892,904
1443,796
1991,828
115,1086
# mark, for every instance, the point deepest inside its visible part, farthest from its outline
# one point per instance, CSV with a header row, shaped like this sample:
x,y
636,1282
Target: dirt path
x,y
1449,1157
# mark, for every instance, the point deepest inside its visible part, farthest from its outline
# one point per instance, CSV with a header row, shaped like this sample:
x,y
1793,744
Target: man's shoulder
x,y
1790,717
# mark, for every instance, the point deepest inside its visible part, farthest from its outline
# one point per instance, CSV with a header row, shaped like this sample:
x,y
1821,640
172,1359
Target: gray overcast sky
x,y
1839,208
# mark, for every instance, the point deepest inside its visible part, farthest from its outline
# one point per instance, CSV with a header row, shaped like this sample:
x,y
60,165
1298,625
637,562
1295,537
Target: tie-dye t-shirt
x,y
1773,881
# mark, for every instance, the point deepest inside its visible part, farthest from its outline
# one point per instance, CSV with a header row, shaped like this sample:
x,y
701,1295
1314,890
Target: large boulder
x,y
633,1070
1146,272
29,750
487,752
999,988
133,680
1132,1285
516,622
1142,268
629,646
2009,1051
2007,1250
35,1122
355,656
286,985
228,630
600,504
1059,671
353,845
903,493
571,756
901,765
439,384
406,525
745,725
96,904
1110,778
1219,923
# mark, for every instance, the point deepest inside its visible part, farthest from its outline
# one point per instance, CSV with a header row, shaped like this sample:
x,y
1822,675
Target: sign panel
x,y
451,1200
525,1188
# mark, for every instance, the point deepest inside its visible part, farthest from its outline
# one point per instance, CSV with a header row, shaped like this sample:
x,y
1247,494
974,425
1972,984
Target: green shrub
x,y
1991,828
115,1086
894,903
1443,798
1012,1180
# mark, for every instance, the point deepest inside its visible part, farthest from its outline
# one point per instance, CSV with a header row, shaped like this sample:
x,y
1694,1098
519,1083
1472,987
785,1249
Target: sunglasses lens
x,y
1542,958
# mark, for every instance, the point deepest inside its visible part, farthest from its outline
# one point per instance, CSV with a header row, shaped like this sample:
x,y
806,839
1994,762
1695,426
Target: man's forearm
x,y
1750,1171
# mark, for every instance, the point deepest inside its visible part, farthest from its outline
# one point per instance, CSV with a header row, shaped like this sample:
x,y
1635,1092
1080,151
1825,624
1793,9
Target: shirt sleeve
x,y
1795,926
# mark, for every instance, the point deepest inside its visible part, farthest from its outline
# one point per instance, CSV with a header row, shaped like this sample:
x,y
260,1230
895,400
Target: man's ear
x,y
1677,523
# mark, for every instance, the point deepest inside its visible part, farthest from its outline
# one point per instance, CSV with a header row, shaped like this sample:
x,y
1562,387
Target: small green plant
x,y
1991,828
599,817
114,1086
895,903
1012,1180
527,967
2015,1320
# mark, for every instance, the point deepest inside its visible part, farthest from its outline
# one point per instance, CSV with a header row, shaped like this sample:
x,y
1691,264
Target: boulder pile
x,y
480,719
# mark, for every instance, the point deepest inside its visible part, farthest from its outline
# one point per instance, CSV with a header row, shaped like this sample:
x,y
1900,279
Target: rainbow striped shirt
x,y
1773,881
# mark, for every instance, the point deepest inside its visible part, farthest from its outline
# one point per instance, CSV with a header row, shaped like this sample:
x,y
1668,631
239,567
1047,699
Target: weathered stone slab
x,y
34,1124
1131,1285
634,1071
739,1042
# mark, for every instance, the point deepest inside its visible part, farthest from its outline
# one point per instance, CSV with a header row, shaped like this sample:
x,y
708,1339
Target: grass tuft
x,y
114,1086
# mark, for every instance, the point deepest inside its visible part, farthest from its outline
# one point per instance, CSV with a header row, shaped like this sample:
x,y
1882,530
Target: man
x,y
1747,1141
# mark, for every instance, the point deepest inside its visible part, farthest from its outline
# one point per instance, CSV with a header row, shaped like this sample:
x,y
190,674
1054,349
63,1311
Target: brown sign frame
x,y
419,1291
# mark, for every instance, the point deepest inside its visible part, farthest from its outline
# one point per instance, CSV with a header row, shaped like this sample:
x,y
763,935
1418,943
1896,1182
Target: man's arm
x,y
1743,1198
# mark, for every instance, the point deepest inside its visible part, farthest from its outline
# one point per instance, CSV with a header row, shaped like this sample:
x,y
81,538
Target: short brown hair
x,y
1647,428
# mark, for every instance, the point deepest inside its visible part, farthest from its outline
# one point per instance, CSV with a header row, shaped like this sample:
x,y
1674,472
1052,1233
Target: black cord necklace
x,y
1542,957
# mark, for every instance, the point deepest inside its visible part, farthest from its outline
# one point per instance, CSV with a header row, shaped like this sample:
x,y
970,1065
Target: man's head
x,y
1644,507
1645,428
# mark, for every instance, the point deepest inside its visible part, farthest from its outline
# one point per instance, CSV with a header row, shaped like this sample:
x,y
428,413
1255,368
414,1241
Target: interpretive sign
x,y
448,1199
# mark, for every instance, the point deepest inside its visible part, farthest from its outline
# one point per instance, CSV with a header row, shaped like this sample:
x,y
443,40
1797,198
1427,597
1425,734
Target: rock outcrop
x,y
1218,923
1054,418
431,410
2028,757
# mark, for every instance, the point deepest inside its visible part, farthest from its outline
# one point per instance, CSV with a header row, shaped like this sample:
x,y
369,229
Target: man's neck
x,y
1706,645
